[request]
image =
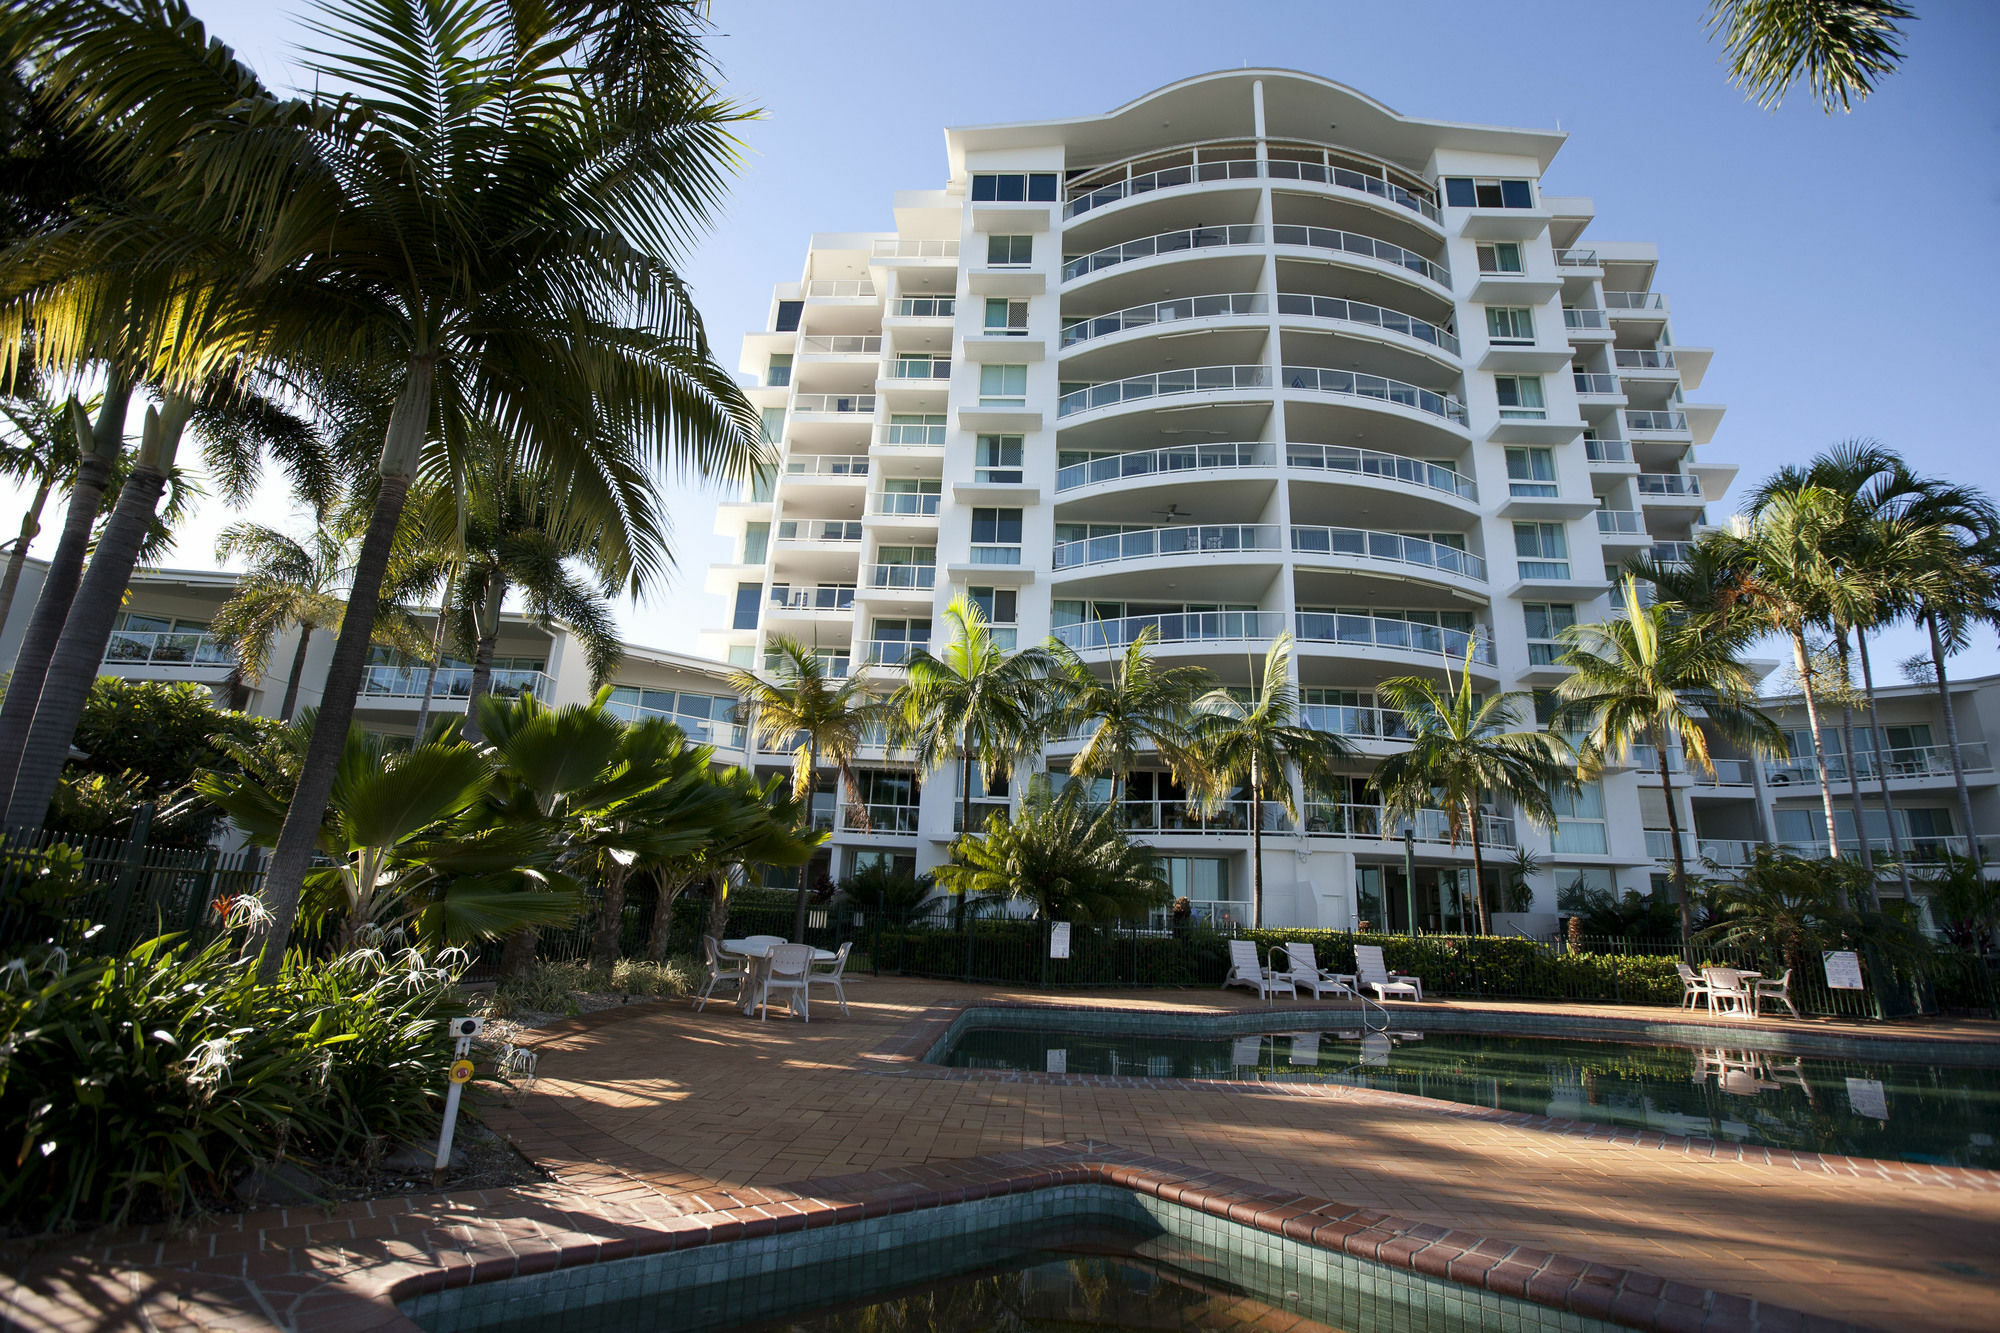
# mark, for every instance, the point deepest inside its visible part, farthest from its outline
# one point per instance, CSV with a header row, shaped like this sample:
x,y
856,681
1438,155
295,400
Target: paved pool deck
x,y
655,1118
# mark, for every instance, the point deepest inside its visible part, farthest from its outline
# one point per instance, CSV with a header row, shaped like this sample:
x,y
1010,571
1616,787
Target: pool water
x,y
1941,1114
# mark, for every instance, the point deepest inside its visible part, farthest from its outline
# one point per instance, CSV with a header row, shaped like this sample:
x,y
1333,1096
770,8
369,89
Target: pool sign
x,y
1058,1060
1867,1097
461,1071
1843,969
1059,940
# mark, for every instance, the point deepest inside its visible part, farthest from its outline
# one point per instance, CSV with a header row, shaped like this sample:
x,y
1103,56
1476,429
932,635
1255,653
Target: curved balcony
x,y
1389,632
1181,627
1388,467
1354,243
1430,826
1166,243
1387,548
1163,312
1343,311
1193,173
1211,540
1378,724
1379,388
1173,459
1204,379
1343,178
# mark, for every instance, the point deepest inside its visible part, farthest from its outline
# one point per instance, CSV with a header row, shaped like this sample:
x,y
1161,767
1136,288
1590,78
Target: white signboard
x,y
1059,940
1305,1048
1865,1095
1247,1052
1843,969
1059,1061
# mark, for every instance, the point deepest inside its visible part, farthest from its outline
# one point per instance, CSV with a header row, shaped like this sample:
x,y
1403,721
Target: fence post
x,y
206,894
1617,976
133,862
1046,927
966,921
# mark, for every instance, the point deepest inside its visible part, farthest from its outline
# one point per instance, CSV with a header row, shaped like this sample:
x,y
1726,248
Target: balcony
x,y
128,647
1389,632
1173,459
1380,724
1368,316
827,465
1326,173
1606,451
845,290
839,403
1736,853
920,368
1166,243
1578,319
1163,312
915,249
904,504
1673,484
892,821
1097,196
1592,385
1640,358
698,730
1353,243
1907,762
1430,826
841,344
1577,259
825,597
1670,553
915,435
1206,379
925,307
1314,379
837,666
819,530
1674,423
1388,467
1621,523
1617,301
1152,543
900,577
889,652
455,682
1387,548
1182,627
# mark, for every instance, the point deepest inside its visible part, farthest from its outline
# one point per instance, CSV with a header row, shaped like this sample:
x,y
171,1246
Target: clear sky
x,y
1837,264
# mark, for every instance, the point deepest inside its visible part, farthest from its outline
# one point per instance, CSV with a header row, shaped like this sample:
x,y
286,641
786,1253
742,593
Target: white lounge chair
x,y
1779,990
1245,969
1298,964
788,968
1375,975
718,974
829,974
1697,987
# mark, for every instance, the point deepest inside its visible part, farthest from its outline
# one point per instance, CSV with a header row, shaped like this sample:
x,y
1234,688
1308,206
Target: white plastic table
x,y
759,956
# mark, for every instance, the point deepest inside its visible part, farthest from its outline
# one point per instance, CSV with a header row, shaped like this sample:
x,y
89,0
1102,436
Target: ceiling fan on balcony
x,y
1174,513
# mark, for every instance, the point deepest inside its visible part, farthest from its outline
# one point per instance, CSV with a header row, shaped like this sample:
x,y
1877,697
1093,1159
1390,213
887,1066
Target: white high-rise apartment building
x,y
1249,355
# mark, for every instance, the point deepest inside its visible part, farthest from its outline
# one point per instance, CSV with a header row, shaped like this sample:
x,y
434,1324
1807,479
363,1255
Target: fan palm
x,y
973,703
1059,851
1141,705
1253,744
817,717
1840,47
754,823
1462,747
1646,677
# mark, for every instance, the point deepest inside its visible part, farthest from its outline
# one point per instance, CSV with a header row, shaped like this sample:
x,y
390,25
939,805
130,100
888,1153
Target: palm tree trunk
x,y
482,656
79,653
286,874
1478,873
660,935
298,669
1951,739
610,917
517,955
1256,848
1853,778
805,867
59,583
1881,769
17,560
437,652
1674,835
1819,748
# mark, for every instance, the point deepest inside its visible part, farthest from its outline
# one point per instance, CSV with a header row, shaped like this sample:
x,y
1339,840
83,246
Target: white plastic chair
x,y
1697,986
1375,975
1779,990
711,956
1246,969
829,974
1301,967
1727,992
788,969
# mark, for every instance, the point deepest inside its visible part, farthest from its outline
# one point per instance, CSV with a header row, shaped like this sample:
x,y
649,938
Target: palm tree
x,y
1254,744
816,717
973,703
1069,857
495,211
1462,747
1840,46
1955,586
41,450
1143,704
1647,677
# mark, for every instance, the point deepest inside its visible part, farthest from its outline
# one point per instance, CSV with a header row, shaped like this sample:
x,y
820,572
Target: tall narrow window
x,y
1001,607
998,459
756,542
788,316
1541,550
1531,472
780,373
748,598
1006,318
1520,397
1003,386
1545,623
774,425
996,536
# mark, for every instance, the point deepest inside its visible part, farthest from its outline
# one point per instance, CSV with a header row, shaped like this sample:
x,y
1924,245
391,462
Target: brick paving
x,y
664,1127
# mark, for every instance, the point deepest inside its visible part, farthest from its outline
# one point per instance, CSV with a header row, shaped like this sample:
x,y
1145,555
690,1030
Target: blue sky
x,y
1842,267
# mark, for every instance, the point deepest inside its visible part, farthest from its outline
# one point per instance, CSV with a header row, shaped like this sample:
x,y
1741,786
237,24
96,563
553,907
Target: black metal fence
x,y
54,885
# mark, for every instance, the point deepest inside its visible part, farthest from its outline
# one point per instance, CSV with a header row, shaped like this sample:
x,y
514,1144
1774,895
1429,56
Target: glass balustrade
x,y
1097,196
819,530
1389,632
902,576
1166,243
905,504
165,648
1373,316
1389,467
1668,483
827,465
1670,553
1621,522
1177,627
1370,723
1317,379
1149,543
1205,379
1327,173
841,344
1676,422
1606,451
1597,385
1574,258
833,402
1641,358
1162,312
1353,243
919,368
1391,547
925,307
454,682
1575,317
842,290
1174,458
885,248
824,597
1634,301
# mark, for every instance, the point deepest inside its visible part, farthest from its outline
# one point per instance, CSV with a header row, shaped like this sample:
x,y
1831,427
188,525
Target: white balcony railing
x,y
883,820
1634,301
1163,312
1642,358
1913,761
1178,627
1371,316
1097,196
1669,483
841,344
1204,379
889,652
698,730
904,504
455,682
129,647
845,289
833,402
1326,172
1166,243
1353,243
1675,422
1621,522
925,307
827,465
1670,553
921,368
1387,547
1430,826
915,434
1597,385
916,577
1373,463
1577,317
1389,632
1385,724
835,665
1606,451
1574,258
1174,458
1148,543
819,530
915,249
1318,379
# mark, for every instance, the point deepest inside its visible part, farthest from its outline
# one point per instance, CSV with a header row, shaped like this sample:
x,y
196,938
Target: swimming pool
x,y
1747,1087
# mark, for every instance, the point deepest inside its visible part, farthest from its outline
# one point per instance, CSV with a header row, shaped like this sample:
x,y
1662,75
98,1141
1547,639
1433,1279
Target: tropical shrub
x,y
1062,853
879,888
1965,904
552,988
143,1086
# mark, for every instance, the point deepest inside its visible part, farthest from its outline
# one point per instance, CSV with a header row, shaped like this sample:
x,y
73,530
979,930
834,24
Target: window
x,y
1013,187
1531,472
1520,397
1471,192
891,799
763,485
1500,257
780,372
1510,324
774,425
742,655
1579,827
1001,607
1546,621
996,536
756,543
788,316
1541,550
998,459
748,597
1007,318
1010,251
922,428
1003,386
901,864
